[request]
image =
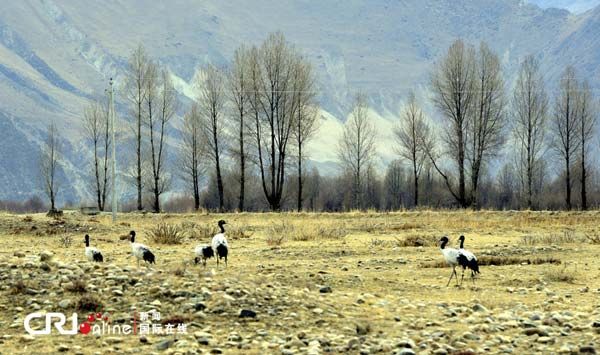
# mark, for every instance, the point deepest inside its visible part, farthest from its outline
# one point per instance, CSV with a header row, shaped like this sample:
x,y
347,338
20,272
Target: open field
x,y
341,283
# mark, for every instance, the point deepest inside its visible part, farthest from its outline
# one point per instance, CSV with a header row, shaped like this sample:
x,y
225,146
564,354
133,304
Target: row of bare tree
x,y
250,122
261,110
479,118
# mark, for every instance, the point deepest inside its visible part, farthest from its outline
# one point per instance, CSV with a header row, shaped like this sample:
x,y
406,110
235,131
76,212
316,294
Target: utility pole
x,y
112,115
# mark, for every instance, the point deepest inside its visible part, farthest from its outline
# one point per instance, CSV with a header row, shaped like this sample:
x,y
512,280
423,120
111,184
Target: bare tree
x,y
159,88
238,89
271,73
530,108
485,131
136,94
306,122
96,125
192,152
411,134
211,101
393,183
454,96
587,116
566,125
356,148
49,164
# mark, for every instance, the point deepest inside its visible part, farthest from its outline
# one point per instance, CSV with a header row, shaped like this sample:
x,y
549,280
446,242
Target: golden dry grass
x,y
384,270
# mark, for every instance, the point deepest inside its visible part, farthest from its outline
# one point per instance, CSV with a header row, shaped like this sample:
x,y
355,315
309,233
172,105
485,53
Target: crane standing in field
x,y
219,244
471,258
140,251
91,253
456,257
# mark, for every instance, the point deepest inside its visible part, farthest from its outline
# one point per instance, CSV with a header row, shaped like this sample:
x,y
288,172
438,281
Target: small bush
x,y
273,240
65,241
560,275
175,320
199,232
568,237
414,240
592,239
306,232
18,288
77,286
165,233
236,233
89,303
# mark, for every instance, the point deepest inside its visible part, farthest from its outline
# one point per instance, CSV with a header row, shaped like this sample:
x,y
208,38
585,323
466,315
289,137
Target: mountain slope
x,y
55,55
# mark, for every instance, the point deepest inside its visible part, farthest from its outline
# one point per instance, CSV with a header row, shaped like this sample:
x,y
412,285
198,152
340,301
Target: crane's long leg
x,y
462,276
473,277
451,274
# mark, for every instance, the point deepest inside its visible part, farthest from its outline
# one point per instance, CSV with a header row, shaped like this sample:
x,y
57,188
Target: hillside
x,y
56,55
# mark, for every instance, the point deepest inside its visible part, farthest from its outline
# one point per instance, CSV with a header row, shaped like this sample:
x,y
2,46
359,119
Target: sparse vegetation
x,y
66,241
560,274
308,264
499,261
275,240
77,286
567,237
175,319
165,233
19,287
89,303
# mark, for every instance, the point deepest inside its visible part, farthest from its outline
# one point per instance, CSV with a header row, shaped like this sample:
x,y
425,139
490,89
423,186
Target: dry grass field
x,y
315,283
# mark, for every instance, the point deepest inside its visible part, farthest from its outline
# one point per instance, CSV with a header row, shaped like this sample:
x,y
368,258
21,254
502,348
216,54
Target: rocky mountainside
x,y
56,55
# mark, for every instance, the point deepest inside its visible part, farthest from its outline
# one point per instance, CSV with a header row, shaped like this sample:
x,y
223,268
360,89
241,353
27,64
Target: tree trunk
x,y
584,205
568,183
242,165
139,158
299,177
156,196
461,172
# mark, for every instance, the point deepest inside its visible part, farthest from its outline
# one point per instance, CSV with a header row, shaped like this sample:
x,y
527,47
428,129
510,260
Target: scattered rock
x,y
66,303
165,344
247,313
325,289
46,256
587,349
479,308
63,348
363,329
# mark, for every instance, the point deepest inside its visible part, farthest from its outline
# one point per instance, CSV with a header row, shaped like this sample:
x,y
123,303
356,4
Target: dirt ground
x,y
308,283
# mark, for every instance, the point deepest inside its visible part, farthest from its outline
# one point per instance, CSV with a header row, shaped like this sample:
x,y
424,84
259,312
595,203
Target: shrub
x,y
18,288
275,240
560,275
592,239
414,240
568,237
175,319
77,286
65,241
89,303
165,233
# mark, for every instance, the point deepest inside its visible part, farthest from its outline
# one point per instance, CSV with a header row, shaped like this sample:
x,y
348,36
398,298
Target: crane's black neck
x,y
133,238
462,242
221,228
444,242
87,240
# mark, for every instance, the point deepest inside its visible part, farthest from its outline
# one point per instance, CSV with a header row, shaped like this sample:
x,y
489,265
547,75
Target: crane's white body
x,y
90,252
219,239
